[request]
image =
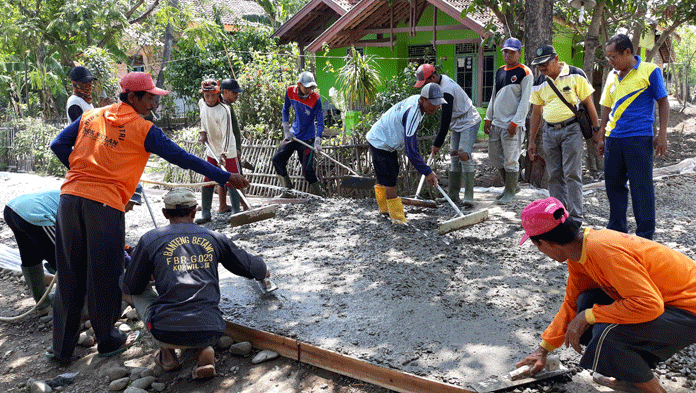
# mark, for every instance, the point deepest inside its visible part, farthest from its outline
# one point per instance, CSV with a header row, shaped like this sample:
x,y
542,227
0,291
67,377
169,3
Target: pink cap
x,y
538,217
422,73
140,81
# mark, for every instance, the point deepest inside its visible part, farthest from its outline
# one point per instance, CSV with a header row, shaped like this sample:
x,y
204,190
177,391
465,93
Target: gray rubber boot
x,y
206,203
235,199
501,171
468,199
510,184
315,188
287,183
455,184
34,276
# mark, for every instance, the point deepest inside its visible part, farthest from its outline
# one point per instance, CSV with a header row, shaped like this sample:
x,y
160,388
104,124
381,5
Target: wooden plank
x,y
338,363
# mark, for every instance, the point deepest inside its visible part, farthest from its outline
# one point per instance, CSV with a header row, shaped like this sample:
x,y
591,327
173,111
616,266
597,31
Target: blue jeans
x,y
630,159
463,140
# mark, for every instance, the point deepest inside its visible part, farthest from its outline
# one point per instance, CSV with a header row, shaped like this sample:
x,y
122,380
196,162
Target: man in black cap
x,y
562,138
230,93
81,99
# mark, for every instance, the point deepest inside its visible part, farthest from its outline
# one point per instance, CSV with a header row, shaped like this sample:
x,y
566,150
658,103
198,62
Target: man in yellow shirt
x,y
629,300
562,139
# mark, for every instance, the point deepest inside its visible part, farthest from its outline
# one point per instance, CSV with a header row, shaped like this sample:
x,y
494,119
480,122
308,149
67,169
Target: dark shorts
x,y
386,165
196,339
628,352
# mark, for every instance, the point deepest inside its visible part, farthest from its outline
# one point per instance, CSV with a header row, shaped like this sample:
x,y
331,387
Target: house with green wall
x,y
401,31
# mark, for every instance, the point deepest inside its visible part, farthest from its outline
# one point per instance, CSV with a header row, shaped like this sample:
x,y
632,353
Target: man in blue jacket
x,y
307,127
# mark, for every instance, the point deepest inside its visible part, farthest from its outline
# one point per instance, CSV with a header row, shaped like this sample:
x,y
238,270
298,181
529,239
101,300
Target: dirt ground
x,y
456,308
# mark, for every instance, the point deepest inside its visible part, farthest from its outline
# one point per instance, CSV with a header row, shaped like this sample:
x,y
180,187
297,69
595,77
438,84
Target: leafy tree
x,y
359,80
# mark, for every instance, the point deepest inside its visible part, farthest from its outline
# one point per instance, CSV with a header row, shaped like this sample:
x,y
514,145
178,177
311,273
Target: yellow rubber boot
x,y
381,196
396,211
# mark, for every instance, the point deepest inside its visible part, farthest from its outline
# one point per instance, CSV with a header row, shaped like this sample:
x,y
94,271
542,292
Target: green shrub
x,y
33,138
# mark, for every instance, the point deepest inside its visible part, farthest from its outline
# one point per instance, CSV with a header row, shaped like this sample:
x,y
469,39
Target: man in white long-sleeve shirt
x,y
216,122
505,117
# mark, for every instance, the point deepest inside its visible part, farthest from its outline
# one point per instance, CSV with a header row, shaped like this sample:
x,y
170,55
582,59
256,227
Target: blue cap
x,y
512,44
81,74
433,93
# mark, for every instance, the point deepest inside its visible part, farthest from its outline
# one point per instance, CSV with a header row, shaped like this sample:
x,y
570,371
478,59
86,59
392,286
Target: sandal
x,y
164,366
123,347
50,355
615,384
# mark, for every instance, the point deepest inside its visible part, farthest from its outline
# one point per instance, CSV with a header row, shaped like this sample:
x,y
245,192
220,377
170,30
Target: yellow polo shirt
x,y
572,82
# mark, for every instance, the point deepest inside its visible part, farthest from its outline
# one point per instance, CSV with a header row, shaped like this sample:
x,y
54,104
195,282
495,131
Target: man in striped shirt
x,y
396,130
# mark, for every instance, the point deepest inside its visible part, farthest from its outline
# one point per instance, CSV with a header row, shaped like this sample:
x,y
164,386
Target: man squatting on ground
x,y
562,140
308,111
506,116
629,300
394,130
459,114
628,100
32,219
184,257
216,122
106,152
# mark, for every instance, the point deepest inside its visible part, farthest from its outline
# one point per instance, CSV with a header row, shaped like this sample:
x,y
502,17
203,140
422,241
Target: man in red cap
x,y
106,151
459,114
629,300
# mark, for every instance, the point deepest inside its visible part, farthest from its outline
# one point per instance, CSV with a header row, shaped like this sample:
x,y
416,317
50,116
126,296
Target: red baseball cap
x,y
140,81
422,73
540,217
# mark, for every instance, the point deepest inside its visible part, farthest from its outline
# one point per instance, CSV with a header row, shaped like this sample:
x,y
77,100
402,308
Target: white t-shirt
x,y
75,100
217,122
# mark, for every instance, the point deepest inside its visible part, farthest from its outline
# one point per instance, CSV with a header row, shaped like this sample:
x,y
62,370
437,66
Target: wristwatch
x,y
595,129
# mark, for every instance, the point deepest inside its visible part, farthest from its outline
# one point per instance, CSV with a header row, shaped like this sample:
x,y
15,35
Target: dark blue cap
x,y
81,74
231,84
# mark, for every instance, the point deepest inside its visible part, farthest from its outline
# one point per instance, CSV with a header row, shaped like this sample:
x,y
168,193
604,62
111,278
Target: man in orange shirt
x,y
106,152
629,300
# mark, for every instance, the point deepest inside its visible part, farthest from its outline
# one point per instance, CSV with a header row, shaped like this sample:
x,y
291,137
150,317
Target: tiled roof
x,y
231,11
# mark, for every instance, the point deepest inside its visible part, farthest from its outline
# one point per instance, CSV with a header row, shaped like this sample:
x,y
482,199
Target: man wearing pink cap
x,y
630,301
106,151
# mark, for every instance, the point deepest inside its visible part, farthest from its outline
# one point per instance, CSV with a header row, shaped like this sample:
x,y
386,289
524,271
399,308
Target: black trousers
x,y
89,252
36,243
304,154
629,352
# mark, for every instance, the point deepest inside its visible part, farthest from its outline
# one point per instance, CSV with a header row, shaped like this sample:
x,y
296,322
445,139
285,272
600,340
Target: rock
x,y
132,314
241,349
224,342
132,389
39,387
234,370
124,328
263,356
143,383
148,372
158,386
88,324
114,373
85,340
46,319
119,384
136,373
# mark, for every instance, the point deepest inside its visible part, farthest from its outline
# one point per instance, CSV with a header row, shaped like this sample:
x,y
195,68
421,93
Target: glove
x,y
286,130
317,143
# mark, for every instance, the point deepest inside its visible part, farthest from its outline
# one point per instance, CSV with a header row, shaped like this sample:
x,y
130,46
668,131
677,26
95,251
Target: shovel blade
x,y
463,221
253,215
358,182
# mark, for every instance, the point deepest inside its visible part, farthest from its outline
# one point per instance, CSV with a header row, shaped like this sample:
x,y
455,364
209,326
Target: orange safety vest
x,y
109,155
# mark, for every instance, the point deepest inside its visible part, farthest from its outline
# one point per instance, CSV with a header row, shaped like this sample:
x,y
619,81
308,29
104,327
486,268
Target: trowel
x,y
520,376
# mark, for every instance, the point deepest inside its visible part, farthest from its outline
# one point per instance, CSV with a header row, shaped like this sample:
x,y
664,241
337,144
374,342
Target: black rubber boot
x,y
235,199
468,199
455,185
34,276
206,203
510,184
315,188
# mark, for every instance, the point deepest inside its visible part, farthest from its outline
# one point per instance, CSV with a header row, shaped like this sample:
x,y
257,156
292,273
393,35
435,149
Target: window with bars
x,y
421,54
488,76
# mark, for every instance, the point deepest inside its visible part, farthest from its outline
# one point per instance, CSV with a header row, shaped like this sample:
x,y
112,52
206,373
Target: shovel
x,y
462,220
417,201
251,215
355,181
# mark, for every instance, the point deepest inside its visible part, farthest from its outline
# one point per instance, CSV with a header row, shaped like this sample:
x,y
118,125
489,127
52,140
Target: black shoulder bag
x,y
581,114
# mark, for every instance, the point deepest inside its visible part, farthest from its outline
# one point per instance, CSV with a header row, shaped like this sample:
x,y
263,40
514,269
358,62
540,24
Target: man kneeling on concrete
x,y
630,301
184,257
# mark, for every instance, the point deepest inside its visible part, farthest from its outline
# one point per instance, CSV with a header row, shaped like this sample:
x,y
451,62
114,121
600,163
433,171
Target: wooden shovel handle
x,y
326,155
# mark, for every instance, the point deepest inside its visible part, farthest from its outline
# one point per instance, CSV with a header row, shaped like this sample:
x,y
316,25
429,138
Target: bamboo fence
x,y
354,154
